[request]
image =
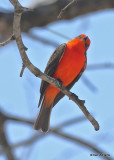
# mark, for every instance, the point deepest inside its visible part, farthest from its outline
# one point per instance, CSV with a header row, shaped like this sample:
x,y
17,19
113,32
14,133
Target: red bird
x,y
66,64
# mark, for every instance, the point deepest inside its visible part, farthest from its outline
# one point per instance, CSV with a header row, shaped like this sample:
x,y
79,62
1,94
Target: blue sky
x,y
19,96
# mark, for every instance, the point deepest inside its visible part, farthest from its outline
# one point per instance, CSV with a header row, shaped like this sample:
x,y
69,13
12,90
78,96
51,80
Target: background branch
x,y
80,142
3,140
65,8
44,14
100,66
55,131
7,41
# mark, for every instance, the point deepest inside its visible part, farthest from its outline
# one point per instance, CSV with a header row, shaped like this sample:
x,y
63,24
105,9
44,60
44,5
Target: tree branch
x,y
12,38
22,70
80,142
100,66
42,39
65,8
26,62
42,15
71,138
55,131
6,117
3,140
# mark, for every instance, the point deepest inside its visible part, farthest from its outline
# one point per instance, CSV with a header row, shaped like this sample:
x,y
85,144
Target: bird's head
x,y
86,40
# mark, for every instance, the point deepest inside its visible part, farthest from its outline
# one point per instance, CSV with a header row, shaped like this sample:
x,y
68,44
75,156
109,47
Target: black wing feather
x,y
51,67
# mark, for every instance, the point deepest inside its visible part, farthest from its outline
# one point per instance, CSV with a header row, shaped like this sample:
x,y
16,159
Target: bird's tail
x,y
43,120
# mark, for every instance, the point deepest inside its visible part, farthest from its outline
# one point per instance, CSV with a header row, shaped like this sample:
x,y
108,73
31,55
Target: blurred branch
x,y
24,120
69,122
41,39
100,66
81,142
27,142
55,131
26,62
39,135
3,140
12,38
13,118
75,139
65,8
88,83
45,14
57,33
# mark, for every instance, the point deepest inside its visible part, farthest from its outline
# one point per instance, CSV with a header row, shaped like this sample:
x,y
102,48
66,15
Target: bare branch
x,y
65,8
3,140
56,131
23,120
75,139
27,142
12,38
57,33
35,137
41,39
81,142
69,122
37,72
88,83
100,66
22,70
42,15
13,118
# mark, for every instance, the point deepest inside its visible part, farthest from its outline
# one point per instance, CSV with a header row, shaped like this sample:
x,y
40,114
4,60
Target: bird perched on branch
x,y
66,64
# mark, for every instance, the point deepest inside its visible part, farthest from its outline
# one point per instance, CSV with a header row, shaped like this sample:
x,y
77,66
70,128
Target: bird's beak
x,y
85,38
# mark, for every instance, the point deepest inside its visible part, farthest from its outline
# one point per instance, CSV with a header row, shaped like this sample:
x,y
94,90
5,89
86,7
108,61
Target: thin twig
x,y
63,10
12,38
57,33
22,70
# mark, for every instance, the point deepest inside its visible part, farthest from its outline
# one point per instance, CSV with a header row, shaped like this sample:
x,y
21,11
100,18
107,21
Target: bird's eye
x,y
85,38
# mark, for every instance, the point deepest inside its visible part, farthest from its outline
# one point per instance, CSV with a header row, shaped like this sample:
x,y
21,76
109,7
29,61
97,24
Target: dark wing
x,y
51,67
60,94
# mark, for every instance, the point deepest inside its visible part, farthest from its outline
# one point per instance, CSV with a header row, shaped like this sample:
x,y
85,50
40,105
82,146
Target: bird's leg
x,y
60,81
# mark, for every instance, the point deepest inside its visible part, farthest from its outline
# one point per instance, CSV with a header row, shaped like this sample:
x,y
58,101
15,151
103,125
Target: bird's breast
x,y
70,65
